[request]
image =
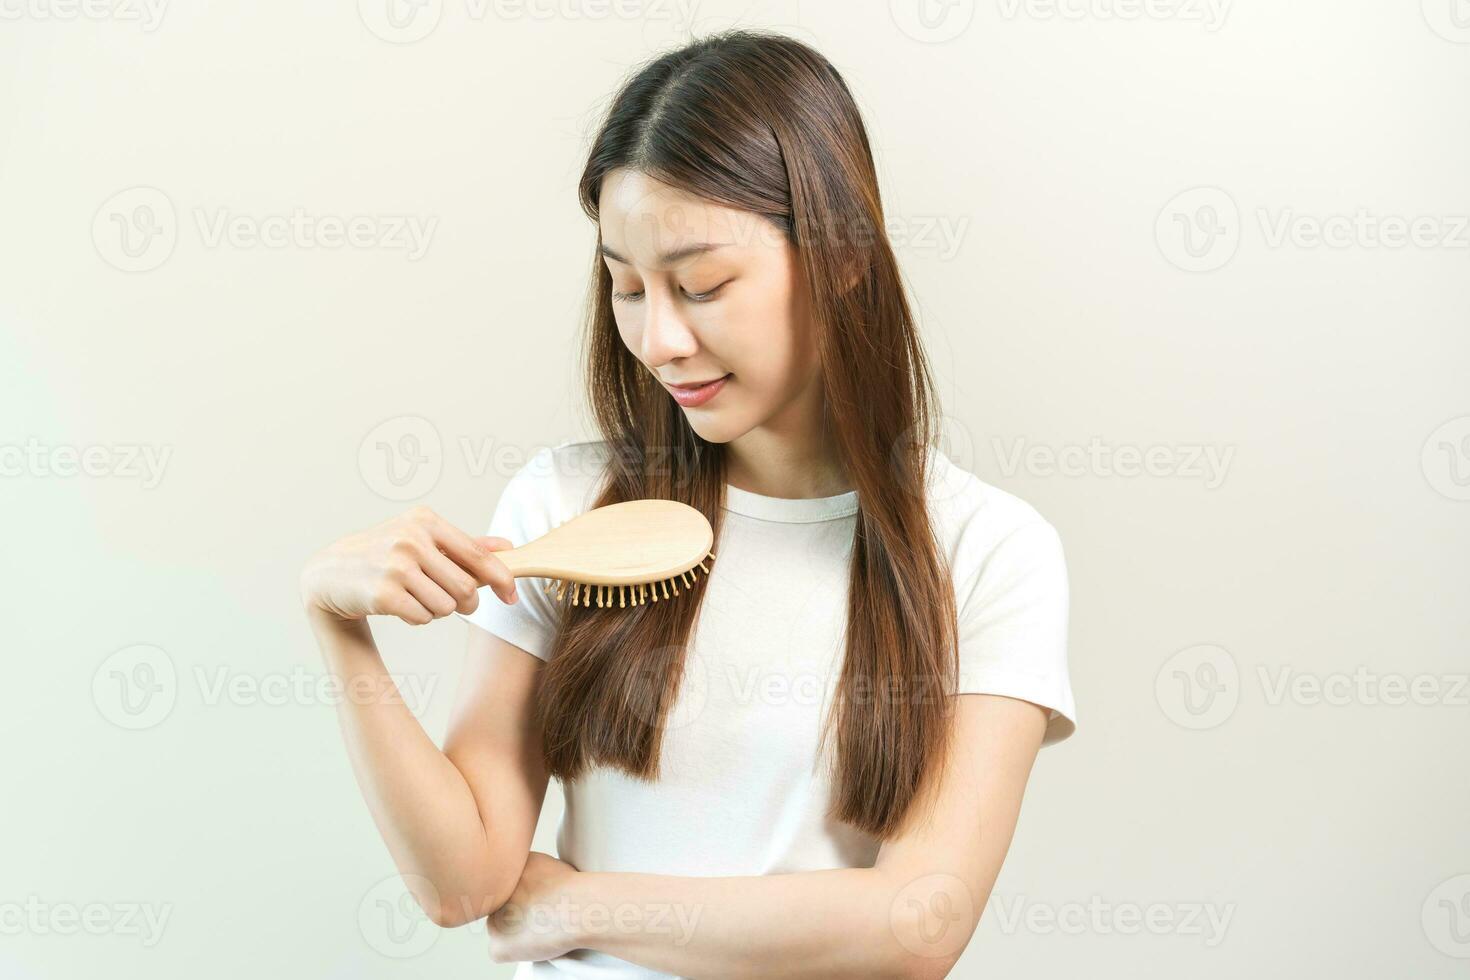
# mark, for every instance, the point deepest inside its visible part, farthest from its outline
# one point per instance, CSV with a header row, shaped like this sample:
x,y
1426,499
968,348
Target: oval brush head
x,y
633,550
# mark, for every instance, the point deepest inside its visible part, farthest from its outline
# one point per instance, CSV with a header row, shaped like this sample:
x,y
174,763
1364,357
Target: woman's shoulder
x,y
572,462
561,480
973,517
1011,595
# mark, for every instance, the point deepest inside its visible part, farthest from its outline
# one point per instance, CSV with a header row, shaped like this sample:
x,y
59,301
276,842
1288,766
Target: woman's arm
x,y
911,915
458,823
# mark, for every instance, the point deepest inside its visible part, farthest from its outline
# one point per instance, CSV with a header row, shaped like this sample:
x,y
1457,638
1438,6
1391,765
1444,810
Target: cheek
x,y
628,326
766,339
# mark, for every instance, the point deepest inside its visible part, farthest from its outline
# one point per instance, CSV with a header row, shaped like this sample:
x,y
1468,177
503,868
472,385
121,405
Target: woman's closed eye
x,y
693,297
703,297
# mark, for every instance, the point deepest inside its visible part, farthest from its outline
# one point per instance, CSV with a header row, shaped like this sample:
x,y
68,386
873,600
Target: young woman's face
x,y
703,292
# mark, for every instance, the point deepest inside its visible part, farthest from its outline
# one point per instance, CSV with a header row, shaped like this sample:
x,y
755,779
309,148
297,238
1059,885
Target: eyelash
x,y
703,297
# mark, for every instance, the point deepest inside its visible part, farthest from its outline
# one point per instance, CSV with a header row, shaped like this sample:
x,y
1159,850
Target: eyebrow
x,y
667,258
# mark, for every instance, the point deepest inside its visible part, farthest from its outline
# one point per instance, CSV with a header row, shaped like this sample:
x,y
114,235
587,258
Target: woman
x,y
811,764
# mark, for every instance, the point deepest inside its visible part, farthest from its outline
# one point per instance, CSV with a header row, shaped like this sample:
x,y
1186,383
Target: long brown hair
x,y
763,123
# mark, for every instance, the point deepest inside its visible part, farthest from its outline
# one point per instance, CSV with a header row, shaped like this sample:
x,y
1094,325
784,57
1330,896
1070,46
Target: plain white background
x,y
1193,276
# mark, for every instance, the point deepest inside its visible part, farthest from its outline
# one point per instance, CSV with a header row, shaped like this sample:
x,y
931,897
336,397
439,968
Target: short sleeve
x,y
523,513
1013,612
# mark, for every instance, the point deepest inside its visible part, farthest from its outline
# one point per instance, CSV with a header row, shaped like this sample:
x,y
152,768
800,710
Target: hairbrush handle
x,y
634,550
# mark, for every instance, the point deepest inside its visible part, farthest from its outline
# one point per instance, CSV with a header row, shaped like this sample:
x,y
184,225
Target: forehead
x,y
642,218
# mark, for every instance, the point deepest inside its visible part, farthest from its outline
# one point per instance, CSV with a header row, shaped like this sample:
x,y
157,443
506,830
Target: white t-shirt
x,y
740,790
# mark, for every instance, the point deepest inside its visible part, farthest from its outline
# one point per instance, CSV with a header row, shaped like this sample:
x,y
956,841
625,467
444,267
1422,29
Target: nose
x,y
666,334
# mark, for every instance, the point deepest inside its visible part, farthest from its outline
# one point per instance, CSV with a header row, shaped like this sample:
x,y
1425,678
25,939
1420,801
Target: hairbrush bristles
x,y
603,596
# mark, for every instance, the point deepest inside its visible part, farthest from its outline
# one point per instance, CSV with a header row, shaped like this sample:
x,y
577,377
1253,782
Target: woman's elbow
x,y
450,908
920,954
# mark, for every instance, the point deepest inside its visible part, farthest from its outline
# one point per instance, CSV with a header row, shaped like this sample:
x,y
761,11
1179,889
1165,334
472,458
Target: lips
x,y
692,396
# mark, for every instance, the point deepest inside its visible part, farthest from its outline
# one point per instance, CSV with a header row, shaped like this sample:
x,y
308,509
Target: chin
x,y
715,426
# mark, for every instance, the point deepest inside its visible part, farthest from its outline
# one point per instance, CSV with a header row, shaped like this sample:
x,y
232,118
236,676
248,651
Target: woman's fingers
x,y
460,584
475,556
406,607
428,593
416,566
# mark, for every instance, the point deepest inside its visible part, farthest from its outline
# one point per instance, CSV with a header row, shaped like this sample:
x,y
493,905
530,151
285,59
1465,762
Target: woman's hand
x,y
540,920
416,566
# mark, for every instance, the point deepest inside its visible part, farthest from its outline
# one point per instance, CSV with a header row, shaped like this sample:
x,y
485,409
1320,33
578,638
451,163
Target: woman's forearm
x,y
420,801
806,924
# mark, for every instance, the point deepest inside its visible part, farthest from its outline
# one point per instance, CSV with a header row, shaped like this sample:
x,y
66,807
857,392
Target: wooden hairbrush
x,y
633,549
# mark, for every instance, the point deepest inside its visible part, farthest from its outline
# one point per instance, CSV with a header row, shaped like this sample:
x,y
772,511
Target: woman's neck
x,y
772,465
